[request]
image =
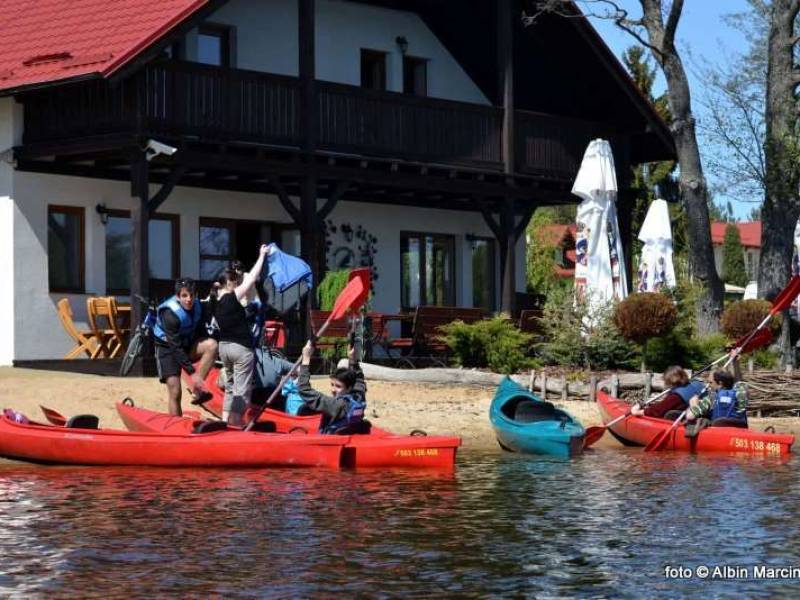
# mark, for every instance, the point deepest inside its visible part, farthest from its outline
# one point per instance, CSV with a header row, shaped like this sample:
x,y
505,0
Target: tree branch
x,y
672,22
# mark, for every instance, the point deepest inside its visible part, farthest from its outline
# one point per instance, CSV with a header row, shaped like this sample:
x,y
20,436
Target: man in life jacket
x,y
181,338
681,392
344,410
725,406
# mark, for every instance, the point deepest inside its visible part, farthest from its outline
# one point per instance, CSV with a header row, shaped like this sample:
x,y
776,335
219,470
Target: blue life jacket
x,y
725,407
188,320
293,399
356,407
686,392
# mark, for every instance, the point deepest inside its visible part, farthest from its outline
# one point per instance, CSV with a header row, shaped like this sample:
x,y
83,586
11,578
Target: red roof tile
x,y
43,41
750,233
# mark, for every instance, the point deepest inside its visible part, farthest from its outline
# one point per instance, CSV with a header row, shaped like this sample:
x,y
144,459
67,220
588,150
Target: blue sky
x,y
701,32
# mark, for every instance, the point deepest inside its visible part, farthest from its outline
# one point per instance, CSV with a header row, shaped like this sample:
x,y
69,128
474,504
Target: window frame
x,y
80,212
368,53
415,61
423,284
230,225
492,253
227,35
175,220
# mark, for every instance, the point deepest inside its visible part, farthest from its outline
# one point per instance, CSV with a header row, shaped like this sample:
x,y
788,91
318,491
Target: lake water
x,y
604,525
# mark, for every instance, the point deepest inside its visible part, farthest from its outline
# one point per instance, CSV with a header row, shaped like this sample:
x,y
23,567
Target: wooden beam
x,y
490,220
508,257
333,199
140,219
286,202
306,25
505,69
166,188
523,223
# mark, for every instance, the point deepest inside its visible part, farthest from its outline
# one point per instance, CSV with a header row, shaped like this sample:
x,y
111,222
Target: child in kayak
x,y
681,392
344,410
725,406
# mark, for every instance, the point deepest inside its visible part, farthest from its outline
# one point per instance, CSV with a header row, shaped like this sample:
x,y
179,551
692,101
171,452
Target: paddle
x,y
782,302
55,417
352,297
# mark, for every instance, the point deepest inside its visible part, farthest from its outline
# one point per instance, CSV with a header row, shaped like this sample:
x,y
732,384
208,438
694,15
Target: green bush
x,y
643,318
330,287
680,348
494,343
570,340
740,318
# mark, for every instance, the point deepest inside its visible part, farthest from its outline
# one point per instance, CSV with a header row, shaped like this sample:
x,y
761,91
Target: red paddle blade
x,y
55,417
593,434
658,442
353,295
786,297
763,337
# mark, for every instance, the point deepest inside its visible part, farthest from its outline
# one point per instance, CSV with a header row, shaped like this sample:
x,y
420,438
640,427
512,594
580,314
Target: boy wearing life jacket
x,y
725,406
682,390
344,410
181,338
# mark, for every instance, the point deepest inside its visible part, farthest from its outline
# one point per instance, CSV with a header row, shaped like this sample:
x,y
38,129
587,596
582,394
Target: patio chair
x,y
85,341
111,339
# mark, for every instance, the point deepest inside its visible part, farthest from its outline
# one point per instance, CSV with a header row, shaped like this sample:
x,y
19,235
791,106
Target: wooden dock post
x,y
593,388
648,384
615,385
564,391
532,380
544,385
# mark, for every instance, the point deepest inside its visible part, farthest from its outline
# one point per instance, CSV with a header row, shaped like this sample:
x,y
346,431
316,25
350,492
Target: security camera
x,y
154,148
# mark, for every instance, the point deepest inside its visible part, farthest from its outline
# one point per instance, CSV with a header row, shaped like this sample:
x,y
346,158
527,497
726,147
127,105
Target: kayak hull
x,y
639,431
561,436
378,449
68,446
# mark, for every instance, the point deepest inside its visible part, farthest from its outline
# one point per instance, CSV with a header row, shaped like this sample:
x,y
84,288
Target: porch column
x,y
626,200
508,258
140,219
310,231
505,69
307,66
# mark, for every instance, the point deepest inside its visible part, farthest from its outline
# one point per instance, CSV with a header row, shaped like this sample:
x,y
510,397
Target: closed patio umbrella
x,y
656,269
599,272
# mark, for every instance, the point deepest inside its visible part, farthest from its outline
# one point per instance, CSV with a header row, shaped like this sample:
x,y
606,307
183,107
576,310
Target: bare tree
x,y
781,207
655,30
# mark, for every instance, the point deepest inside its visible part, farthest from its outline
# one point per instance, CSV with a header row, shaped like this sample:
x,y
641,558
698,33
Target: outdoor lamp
x,y
402,43
103,212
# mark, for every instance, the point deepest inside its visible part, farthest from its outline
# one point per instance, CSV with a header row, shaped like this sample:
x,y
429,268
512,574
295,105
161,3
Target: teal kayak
x,y
524,423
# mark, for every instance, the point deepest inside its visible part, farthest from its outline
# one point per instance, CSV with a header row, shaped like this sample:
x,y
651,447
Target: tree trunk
x,y
781,207
692,182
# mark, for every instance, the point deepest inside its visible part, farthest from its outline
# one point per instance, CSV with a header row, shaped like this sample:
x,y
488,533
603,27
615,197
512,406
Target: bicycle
x,y
143,331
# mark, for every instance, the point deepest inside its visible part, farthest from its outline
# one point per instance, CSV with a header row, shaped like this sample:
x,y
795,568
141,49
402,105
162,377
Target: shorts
x,y
167,363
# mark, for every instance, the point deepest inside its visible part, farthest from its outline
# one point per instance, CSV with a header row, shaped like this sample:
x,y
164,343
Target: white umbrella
x,y
599,272
656,269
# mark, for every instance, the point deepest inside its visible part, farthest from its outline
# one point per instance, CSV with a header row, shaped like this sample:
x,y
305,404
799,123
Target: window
x,y
163,249
224,240
65,248
214,44
483,273
415,76
427,270
373,69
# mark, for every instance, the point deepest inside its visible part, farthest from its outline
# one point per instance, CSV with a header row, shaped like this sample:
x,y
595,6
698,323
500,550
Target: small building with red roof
x,y
750,236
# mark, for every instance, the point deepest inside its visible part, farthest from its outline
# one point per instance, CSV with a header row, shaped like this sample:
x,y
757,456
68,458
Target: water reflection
x,y
600,526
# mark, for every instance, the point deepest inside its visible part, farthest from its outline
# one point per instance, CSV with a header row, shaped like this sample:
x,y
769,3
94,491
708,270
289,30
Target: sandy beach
x,y
436,409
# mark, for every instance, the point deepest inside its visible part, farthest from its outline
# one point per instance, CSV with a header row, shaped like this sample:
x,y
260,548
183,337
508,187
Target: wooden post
x,y
505,70
593,388
564,391
648,384
508,255
615,385
140,223
307,67
544,385
750,365
532,381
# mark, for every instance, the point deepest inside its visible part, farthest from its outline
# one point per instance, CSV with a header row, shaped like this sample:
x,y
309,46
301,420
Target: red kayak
x,y
73,446
379,448
639,431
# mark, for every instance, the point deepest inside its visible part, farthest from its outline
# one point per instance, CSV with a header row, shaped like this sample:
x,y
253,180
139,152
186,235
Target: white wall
x,y
10,135
266,35
39,333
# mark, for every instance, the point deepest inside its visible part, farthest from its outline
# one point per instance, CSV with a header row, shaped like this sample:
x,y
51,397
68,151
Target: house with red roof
x,y
750,236
149,139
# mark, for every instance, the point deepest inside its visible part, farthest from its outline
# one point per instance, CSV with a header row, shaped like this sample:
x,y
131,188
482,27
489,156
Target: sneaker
x,y
201,397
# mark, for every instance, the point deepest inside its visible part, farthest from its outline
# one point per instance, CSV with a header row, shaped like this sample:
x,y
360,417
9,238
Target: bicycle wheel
x,y
132,353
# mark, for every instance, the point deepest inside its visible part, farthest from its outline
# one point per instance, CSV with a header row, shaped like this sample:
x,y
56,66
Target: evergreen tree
x,y
733,269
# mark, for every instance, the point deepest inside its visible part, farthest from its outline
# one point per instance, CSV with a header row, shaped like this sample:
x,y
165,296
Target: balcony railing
x,y
229,105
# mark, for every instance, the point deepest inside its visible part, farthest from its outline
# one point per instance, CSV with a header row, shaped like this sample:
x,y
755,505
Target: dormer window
x,y
214,45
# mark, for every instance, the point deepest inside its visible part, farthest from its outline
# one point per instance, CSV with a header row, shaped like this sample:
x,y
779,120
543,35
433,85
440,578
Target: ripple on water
x,y
603,525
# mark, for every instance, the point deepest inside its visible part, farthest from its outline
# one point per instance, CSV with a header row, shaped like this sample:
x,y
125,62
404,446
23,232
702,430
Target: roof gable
x,y
43,41
749,233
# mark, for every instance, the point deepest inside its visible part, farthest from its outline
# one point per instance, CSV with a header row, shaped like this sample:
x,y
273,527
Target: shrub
x,y
571,341
733,270
740,318
494,343
643,317
330,287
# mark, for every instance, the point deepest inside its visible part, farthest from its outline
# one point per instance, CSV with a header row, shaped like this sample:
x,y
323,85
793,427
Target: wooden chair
x,y
337,334
112,338
85,341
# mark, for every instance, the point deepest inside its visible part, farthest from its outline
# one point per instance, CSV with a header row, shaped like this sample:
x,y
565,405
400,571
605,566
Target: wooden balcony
x,y
178,99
